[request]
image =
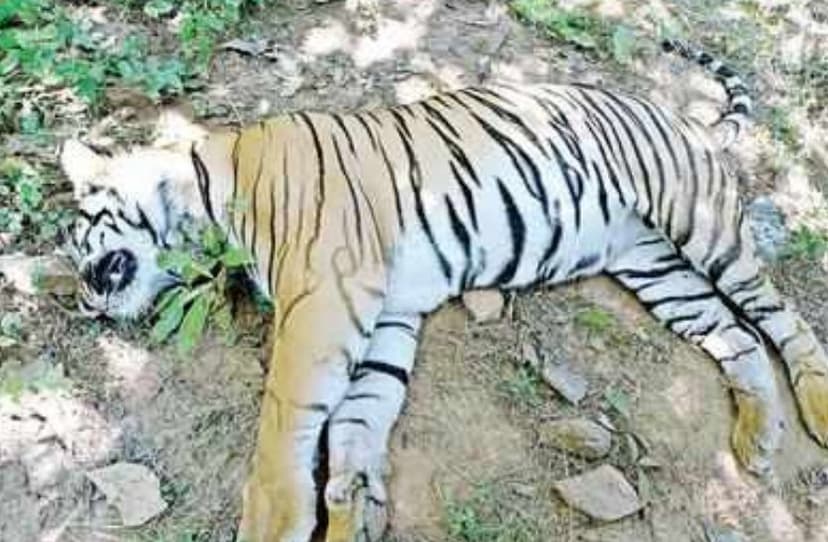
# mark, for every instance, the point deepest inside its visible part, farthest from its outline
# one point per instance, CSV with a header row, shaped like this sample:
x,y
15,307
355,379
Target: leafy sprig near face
x,y
203,265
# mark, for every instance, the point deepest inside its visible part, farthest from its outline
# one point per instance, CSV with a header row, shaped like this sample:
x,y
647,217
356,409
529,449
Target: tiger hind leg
x,y
687,303
803,355
359,429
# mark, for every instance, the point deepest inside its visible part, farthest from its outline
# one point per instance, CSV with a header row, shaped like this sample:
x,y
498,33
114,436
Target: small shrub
x,y
783,129
489,515
523,387
24,210
807,244
579,28
595,320
204,268
41,44
203,22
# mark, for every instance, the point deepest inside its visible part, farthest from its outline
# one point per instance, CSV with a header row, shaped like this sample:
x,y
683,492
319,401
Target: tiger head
x,y
131,206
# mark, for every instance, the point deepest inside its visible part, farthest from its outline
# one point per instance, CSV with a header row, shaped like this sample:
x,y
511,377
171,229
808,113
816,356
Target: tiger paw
x,y
356,505
272,513
758,429
811,389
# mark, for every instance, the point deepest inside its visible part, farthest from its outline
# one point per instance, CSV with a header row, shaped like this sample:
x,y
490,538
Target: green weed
x,y
782,129
42,45
595,320
203,22
579,28
807,244
489,516
204,268
24,210
523,387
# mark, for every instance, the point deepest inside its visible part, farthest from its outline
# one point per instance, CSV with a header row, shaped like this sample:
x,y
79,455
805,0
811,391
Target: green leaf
x,y
173,260
212,239
236,257
194,270
192,328
166,298
170,318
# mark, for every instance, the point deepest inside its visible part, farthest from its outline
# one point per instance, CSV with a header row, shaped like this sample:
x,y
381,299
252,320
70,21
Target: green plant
x,y
203,268
24,209
42,45
523,386
203,22
489,515
595,320
807,244
579,28
782,128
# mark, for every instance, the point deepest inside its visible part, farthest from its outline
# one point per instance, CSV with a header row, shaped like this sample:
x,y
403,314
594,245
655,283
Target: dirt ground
x,y
468,462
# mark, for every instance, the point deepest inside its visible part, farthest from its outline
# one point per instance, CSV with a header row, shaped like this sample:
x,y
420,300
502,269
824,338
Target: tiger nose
x,y
112,273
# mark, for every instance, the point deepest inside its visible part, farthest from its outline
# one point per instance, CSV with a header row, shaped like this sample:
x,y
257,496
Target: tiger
x,y
361,223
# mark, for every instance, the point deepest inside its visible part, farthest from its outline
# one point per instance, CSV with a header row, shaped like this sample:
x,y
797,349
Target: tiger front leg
x,y
317,340
359,431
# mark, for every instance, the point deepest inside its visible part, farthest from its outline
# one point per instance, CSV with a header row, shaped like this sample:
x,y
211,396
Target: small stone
x,y
565,381
484,305
35,275
558,376
577,436
132,489
602,494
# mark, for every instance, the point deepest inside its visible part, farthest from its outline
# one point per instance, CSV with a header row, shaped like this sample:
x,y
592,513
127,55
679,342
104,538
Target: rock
x,y
558,376
484,305
768,225
46,465
132,489
602,494
577,436
39,274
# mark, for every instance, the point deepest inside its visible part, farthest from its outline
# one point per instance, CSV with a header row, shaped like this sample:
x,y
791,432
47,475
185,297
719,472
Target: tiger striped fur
x,y
361,223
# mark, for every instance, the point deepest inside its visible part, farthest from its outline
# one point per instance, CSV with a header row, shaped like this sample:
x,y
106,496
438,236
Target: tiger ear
x,y
81,164
175,131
